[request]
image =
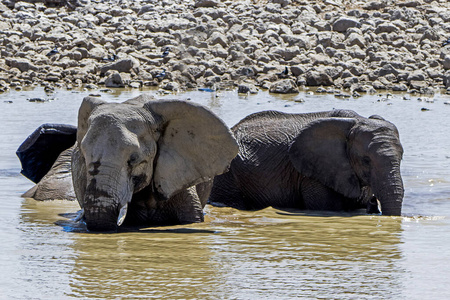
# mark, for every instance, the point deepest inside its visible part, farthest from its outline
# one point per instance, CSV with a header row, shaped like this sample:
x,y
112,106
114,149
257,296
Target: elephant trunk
x,y
390,193
102,203
100,218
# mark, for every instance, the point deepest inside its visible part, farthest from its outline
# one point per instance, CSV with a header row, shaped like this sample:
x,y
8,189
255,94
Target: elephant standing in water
x,y
334,160
146,161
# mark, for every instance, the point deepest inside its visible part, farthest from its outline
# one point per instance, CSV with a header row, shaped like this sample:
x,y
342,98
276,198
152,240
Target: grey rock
x,y
316,78
122,66
416,76
446,63
375,5
218,38
342,24
135,84
386,27
417,85
247,88
116,80
285,86
356,39
206,3
387,69
297,70
171,86
401,87
303,42
24,65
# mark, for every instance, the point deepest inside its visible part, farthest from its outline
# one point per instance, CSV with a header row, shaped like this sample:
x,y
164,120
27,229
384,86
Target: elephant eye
x,y
133,159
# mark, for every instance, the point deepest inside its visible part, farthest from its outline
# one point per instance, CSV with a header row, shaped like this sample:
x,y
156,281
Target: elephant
x,y
146,161
330,161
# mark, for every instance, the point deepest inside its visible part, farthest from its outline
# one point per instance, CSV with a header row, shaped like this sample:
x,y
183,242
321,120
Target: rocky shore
x,y
357,46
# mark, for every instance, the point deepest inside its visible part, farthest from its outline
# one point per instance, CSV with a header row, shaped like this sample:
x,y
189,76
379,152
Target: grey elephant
x,y
145,161
333,160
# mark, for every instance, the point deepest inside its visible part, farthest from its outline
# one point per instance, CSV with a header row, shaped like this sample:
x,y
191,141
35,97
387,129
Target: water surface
x,y
267,254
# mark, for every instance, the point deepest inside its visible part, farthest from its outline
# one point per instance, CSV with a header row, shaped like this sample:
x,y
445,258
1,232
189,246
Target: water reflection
x,y
304,256
234,254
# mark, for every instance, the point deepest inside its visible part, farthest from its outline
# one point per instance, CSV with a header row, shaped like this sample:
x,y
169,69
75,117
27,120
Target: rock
x,y
171,86
321,90
316,78
356,39
415,76
247,88
446,63
401,87
206,3
375,5
135,85
342,24
115,80
387,69
386,27
297,70
122,66
24,65
446,79
218,38
91,86
285,86
417,85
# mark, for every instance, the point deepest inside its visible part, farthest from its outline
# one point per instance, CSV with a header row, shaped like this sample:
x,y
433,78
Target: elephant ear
x,y
320,152
195,145
86,108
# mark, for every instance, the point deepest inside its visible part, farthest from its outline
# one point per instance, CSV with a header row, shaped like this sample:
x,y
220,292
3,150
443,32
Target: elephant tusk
x,y
122,214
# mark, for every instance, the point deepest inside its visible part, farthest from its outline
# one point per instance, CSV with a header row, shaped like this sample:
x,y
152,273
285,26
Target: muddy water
x,y
266,254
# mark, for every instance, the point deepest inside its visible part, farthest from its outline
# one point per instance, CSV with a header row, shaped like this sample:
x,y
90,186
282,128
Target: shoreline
x,y
279,45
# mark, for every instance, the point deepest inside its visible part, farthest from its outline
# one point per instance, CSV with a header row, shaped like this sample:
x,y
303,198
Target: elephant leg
x,y
316,196
187,206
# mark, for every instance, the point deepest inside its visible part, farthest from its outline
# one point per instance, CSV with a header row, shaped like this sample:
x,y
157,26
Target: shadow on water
x,y
72,223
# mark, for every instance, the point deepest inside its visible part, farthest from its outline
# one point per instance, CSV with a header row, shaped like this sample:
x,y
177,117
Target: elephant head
x,y
161,145
356,157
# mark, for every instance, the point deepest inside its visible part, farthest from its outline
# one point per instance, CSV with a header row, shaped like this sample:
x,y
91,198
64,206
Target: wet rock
x,y
401,87
171,86
116,80
135,85
247,88
285,86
